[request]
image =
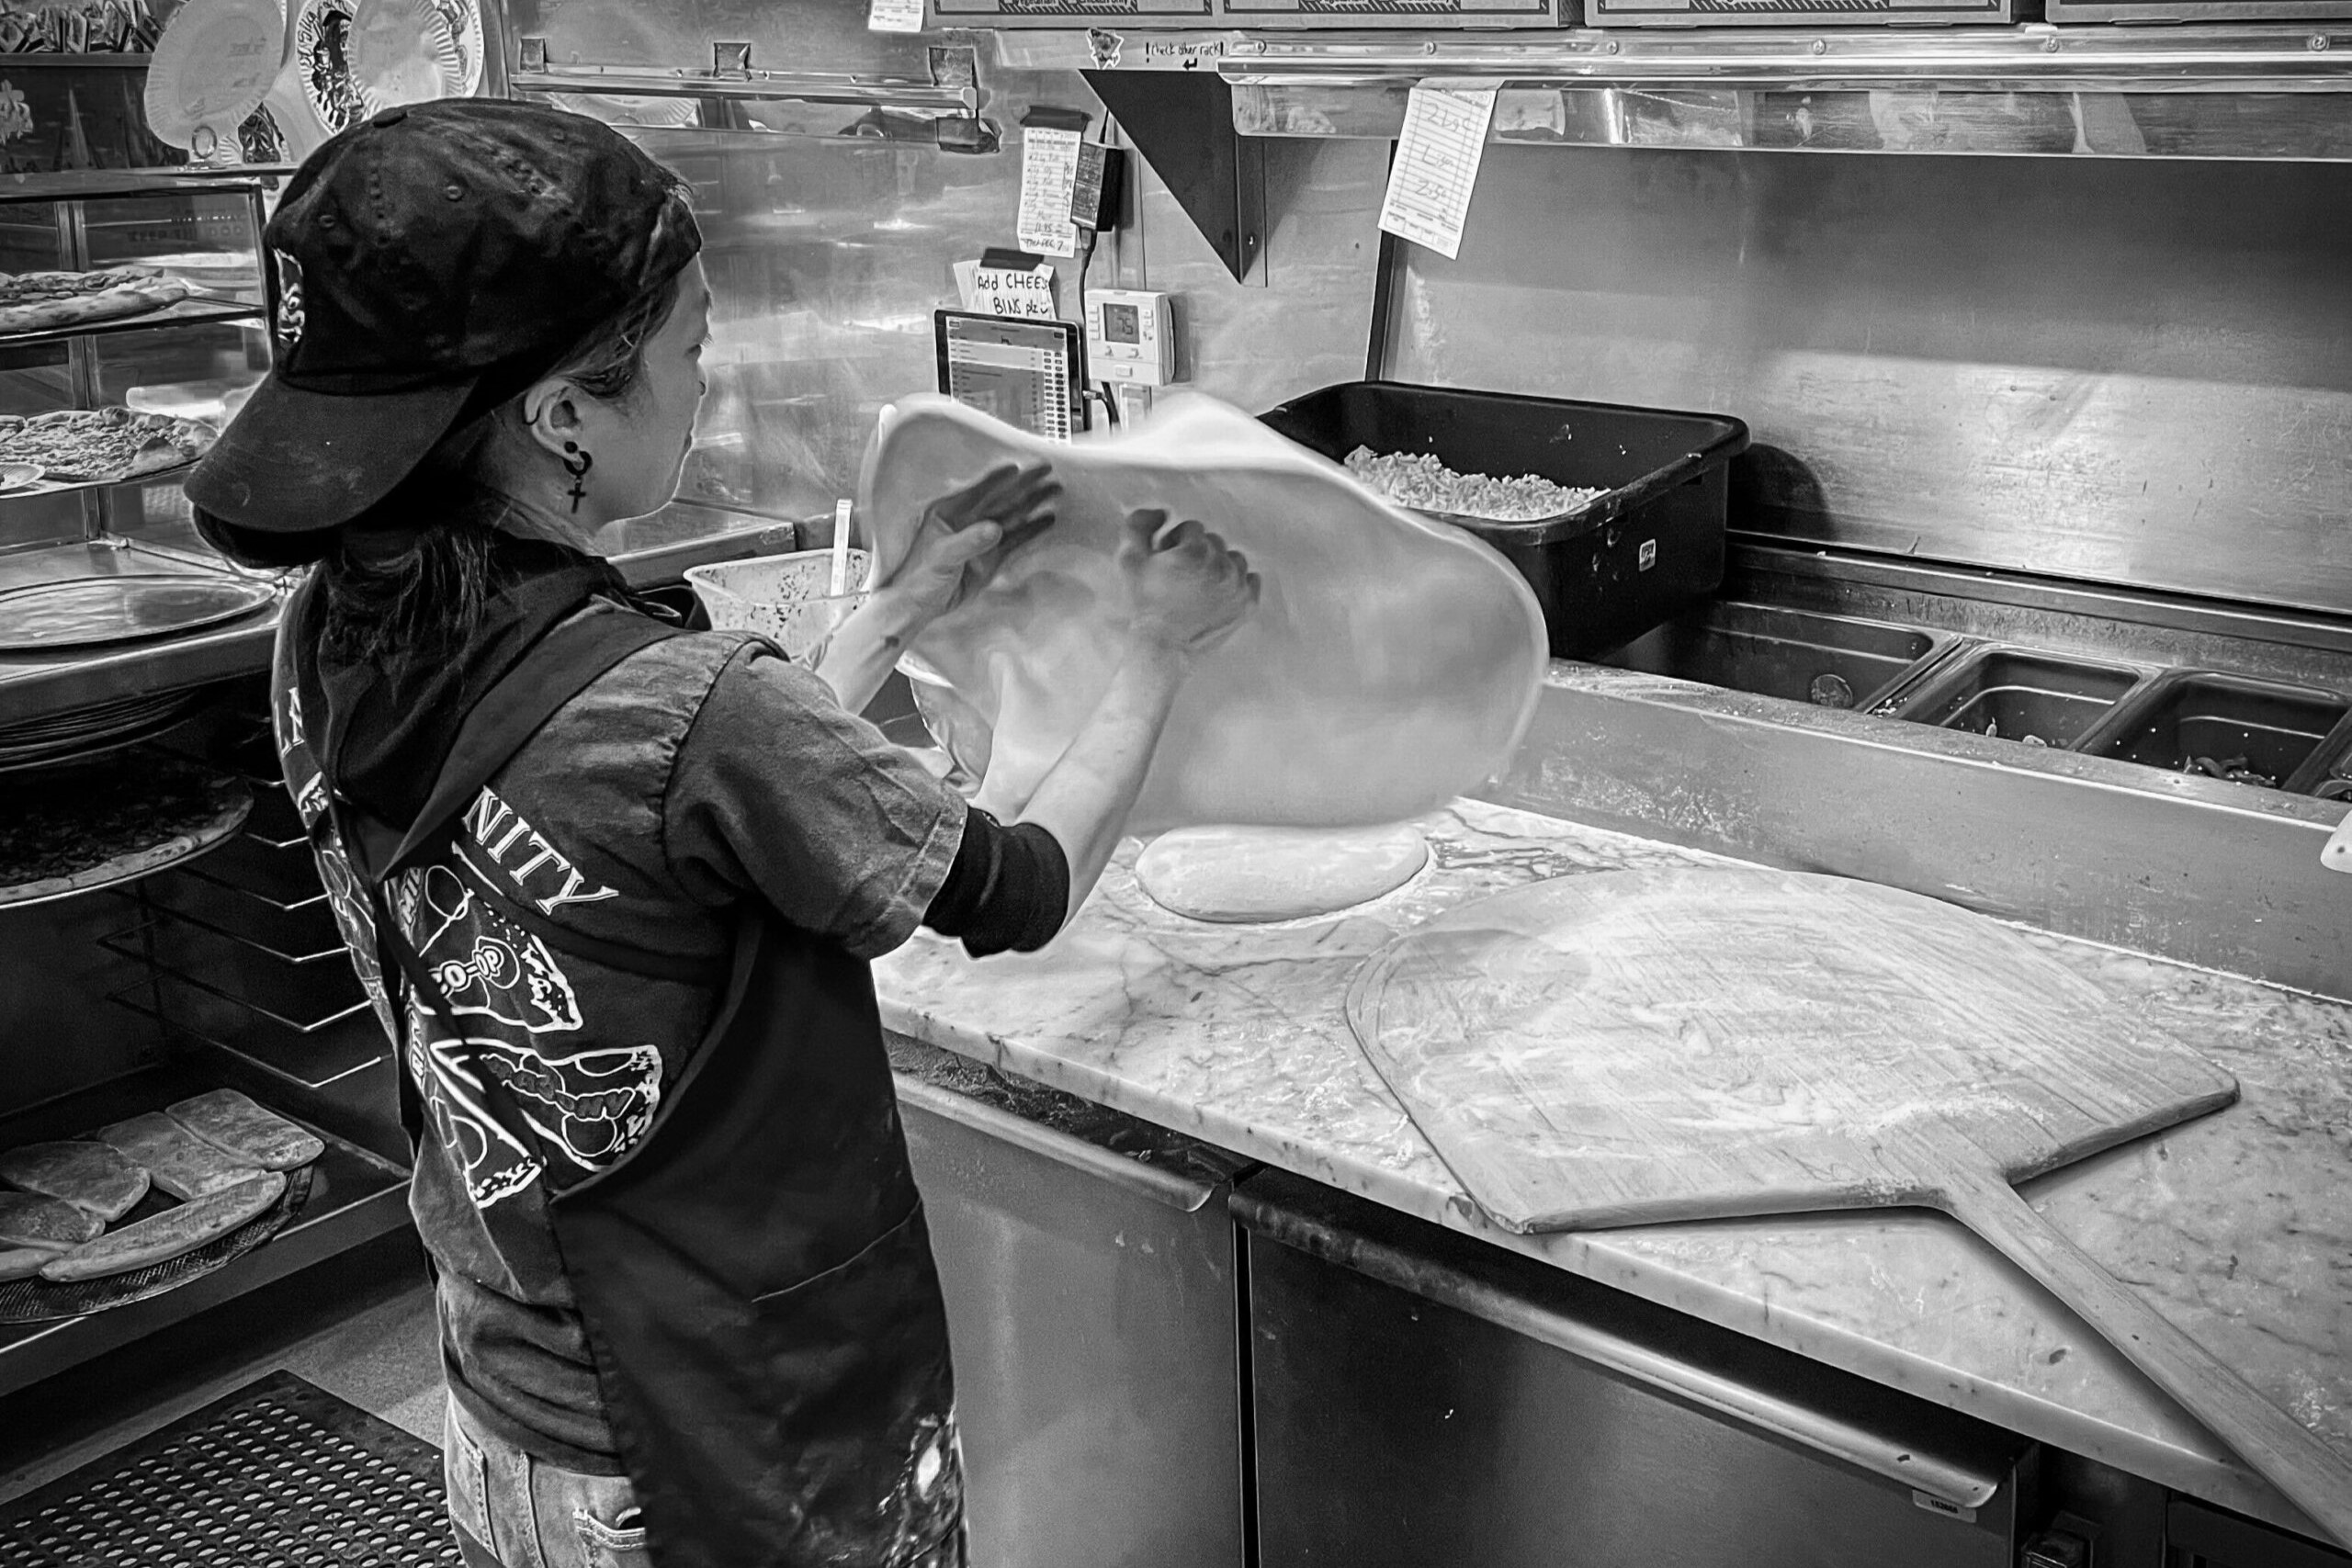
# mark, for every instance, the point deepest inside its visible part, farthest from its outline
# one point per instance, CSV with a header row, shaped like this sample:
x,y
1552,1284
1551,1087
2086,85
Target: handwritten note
x,y
1009,291
1049,175
1437,164
894,17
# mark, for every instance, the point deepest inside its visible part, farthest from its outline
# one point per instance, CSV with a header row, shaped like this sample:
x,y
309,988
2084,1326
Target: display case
x,y
97,544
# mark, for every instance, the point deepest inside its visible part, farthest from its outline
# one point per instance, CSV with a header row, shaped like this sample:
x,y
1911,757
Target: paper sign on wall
x,y
1012,292
1437,164
894,17
1049,175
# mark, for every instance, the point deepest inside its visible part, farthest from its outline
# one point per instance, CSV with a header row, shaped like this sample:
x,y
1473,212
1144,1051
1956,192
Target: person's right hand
x,y
1187,591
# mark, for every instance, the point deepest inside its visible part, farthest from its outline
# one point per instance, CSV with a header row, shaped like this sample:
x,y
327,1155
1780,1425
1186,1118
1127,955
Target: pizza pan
x,y
85,612
93,732
43,1300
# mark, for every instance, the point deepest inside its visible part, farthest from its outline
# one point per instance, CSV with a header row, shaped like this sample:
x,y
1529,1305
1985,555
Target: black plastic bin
x,y
1604,574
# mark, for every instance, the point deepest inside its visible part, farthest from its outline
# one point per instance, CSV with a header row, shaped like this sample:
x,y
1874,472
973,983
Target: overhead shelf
x,y
2270,93
2261,91
2031,57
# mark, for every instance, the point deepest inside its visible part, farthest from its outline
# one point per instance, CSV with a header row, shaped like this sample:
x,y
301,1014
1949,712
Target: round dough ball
x,y
1249,876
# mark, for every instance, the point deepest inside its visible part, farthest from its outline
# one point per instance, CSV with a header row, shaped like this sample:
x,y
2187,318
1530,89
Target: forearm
x,y
865,647
1084,798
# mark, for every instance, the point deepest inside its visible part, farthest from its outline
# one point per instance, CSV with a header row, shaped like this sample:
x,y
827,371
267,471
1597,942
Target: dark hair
x,y
412,574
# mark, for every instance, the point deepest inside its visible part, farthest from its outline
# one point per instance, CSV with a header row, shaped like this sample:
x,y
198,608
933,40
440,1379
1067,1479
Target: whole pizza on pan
x,y
44,301
81,446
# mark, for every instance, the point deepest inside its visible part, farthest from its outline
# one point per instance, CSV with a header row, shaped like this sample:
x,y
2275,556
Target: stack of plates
x,y
85,732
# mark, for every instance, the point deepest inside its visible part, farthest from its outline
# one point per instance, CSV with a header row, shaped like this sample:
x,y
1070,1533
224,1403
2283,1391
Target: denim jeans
x,y
514,1511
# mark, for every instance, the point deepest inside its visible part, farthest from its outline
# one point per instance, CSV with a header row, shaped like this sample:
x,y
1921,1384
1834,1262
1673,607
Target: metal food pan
x,y
1650,546
1840,662
2201,713
1814,14
2328,774
2023,694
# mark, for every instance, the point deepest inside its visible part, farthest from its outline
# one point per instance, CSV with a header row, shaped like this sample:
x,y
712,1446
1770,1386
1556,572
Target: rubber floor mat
x,y
278,1474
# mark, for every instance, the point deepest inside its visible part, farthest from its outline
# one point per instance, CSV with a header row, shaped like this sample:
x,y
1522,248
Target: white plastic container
x,y
782,598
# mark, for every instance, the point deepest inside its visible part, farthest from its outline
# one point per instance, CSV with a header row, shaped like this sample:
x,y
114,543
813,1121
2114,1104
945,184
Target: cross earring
x,y
577,463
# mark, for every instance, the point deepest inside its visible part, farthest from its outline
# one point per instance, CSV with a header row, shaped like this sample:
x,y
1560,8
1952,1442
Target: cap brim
x,y
293,461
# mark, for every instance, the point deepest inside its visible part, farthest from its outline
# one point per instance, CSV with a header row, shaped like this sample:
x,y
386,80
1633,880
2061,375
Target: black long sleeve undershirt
x,y
1007,890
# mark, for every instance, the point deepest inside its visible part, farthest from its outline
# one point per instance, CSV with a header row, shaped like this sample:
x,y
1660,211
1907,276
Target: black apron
x,y
755,1274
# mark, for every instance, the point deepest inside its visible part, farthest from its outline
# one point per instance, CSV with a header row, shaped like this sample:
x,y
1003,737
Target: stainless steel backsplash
x,y
828,255
2124,372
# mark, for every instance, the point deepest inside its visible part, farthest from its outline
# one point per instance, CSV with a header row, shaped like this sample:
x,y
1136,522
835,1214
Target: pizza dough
x,y
23,1262
92,1177
1236,875
246,1131
176,1231
46,301
1392,664
30,1221
181,1163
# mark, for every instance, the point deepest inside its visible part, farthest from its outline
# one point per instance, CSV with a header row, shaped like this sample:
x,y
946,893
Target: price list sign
x,y
1437,164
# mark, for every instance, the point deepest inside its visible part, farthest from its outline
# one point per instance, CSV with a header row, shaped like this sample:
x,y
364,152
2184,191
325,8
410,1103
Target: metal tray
x,y
91,612
40,1300
83,733
2193,713
1604,573
1839,662
2021,694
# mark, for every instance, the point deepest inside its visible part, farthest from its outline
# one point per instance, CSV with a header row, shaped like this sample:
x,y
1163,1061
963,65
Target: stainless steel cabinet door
x,y
1394,1429
1091,1302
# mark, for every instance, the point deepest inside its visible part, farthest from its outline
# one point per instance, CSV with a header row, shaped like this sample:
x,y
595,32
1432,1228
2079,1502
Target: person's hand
x,y
964,536
1187,589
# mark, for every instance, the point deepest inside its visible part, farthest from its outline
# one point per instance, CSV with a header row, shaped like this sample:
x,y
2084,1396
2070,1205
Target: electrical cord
x,y
1099,390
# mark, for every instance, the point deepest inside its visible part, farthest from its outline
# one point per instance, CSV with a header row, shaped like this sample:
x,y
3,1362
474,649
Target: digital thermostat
x,y
1130,337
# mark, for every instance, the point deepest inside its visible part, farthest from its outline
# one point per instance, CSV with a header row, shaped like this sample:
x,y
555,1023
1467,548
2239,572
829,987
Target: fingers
x,y
1014,488
969,543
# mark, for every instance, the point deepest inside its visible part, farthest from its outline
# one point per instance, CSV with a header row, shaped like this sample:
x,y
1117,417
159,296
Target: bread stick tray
x,y
123,1191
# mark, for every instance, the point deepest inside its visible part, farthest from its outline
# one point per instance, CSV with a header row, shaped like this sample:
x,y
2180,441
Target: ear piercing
x,y
577,463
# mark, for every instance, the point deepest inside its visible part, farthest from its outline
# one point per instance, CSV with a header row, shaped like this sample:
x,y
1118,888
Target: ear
x,y
551,410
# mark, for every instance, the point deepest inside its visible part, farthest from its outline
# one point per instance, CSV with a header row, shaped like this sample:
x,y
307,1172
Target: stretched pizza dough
x,y
1392,664
1240,875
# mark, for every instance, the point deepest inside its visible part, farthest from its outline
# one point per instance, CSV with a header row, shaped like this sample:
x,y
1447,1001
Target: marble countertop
x,y
2238,1225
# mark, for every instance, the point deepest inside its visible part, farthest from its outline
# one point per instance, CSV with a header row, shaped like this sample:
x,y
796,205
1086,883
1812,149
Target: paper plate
x,y
464,17
323,62
211,69
400,51
16,476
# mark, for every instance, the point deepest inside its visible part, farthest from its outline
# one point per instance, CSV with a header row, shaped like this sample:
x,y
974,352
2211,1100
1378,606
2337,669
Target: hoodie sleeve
x,y
776,790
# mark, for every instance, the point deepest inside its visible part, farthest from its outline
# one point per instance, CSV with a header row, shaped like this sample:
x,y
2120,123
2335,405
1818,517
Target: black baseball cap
x,y
432,262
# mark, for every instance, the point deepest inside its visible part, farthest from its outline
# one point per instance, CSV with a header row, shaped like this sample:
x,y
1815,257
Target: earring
x,y
577,463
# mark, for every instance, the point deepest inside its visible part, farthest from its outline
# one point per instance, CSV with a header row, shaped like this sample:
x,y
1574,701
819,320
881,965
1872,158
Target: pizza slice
x,y
49,301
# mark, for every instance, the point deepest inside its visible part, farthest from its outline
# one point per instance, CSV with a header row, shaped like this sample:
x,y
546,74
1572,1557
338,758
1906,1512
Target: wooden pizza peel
x,y
1640,1047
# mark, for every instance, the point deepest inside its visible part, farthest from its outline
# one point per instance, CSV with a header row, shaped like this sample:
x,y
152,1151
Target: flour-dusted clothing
x,y
698,771
622,943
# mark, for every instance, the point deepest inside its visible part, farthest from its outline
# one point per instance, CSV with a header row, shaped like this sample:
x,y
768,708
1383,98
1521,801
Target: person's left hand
x,y
966,535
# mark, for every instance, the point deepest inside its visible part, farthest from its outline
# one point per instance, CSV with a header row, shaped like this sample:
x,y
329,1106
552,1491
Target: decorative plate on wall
x,y
400,51
323,59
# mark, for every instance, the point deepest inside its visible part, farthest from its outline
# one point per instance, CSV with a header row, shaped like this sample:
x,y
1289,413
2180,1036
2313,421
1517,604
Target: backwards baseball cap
x,y
433,262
